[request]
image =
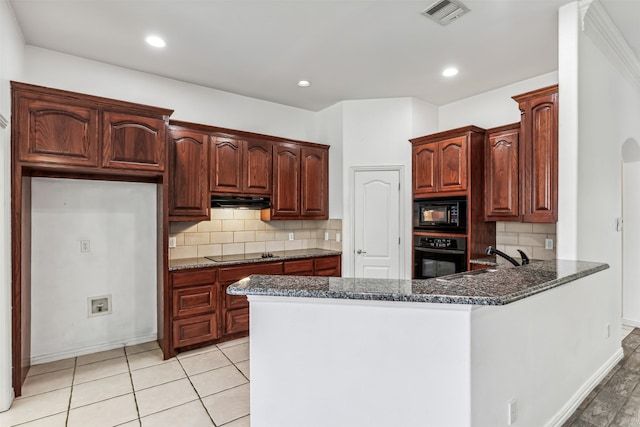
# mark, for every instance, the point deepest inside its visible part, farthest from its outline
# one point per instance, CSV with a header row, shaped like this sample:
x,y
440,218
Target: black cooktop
x,y
242,257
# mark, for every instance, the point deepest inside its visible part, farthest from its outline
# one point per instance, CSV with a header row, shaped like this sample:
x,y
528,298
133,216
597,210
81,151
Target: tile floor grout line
x,y
133,388
73,377
196,391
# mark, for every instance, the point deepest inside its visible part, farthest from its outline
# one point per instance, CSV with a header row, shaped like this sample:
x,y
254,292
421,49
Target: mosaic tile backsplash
x,y
236,231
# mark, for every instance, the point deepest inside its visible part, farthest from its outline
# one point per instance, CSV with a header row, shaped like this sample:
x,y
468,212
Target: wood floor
x,y
616,400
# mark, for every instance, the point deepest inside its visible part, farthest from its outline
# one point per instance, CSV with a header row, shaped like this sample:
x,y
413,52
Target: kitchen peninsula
x,y
465,350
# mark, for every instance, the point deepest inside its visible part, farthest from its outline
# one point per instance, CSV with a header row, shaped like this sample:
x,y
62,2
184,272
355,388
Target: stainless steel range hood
x,y
240,202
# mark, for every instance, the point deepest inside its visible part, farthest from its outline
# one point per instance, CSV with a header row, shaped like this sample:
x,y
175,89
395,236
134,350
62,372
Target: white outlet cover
x,y
172,242
337,237
290,236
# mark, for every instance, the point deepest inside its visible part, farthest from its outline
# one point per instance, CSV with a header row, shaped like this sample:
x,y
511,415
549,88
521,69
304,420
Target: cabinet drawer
x,y
233,274
303,267
191,278
192,301
326,263
237,321
194,330
234,301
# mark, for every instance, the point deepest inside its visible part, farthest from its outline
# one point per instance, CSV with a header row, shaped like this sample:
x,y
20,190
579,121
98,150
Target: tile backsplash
x,y
237,231
528,237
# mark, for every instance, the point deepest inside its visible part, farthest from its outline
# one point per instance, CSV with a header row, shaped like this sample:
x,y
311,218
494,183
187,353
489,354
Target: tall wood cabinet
x,y
539,136
188,174
451,164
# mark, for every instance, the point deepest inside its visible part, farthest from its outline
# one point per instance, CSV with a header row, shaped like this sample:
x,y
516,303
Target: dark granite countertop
x,y
187,263
499,286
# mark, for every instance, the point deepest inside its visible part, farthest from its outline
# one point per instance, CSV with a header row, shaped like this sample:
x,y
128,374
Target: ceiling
x,y
358,49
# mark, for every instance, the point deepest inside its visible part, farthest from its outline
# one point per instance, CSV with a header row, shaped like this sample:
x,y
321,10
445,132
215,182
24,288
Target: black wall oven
x,y
436,256
442,215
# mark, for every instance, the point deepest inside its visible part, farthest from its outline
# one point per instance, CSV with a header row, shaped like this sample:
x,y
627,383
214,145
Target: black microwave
x,y
442,214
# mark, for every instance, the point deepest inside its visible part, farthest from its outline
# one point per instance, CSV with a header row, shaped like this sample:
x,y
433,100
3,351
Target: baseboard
x,y
630,323
52,357
569,408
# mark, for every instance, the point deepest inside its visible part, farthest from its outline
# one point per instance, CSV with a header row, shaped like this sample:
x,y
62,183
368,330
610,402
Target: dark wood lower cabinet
x,y
202,311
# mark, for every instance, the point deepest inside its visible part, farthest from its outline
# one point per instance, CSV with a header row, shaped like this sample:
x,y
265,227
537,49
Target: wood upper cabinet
x,y
133,142
286,181
240,167
441,162
300,182
452,164
314,182
91,134
424,169
51,132
502,168
226,165
188,178
539,154
257,167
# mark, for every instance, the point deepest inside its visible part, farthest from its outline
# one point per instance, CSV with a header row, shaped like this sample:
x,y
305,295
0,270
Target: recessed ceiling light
x,y
155,41
450,72
304,83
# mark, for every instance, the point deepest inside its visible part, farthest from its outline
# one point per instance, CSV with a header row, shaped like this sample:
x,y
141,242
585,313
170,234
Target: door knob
x,y
360,251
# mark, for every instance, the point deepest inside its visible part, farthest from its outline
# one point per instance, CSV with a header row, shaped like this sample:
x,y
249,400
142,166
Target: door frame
x,y
401,211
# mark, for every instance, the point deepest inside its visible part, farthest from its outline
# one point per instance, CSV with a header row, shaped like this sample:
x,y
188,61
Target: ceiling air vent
x,y
445,11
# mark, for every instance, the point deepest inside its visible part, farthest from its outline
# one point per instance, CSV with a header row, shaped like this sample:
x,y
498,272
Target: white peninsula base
x,y
353,363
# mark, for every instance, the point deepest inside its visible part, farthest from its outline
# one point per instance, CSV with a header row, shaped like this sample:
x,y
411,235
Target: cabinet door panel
x,y
133,142
188,183
192,301
236,321
543,154
424,169
55,133
194,330
226,165
314,183
452,164
501,175
286,177
257,167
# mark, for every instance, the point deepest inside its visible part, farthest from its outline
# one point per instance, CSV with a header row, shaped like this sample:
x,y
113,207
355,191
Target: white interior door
x,y
377,224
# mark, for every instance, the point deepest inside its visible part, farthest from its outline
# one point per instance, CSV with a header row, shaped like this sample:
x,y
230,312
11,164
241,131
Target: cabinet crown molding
x,y
599,27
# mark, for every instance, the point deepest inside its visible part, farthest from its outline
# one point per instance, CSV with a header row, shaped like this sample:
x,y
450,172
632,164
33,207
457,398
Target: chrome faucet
x,y
493,251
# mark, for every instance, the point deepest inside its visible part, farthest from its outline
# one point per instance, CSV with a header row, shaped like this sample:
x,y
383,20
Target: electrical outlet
x,y
326,235
337,237
512,415
85,246
290,236
548,243
172,242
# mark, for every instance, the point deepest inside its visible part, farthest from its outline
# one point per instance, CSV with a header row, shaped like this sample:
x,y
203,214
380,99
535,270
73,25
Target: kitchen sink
x,y
465,274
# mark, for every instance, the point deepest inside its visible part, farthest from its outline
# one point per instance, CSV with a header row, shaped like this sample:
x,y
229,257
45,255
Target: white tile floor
x,y
133,386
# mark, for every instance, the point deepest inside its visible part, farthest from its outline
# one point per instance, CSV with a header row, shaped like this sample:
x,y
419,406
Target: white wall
x,y
375,133
493,108
190,102
631,237
329,131
119,220
11,59
599,112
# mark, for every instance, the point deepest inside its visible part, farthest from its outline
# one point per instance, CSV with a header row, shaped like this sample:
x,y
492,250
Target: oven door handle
x,y
441,251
